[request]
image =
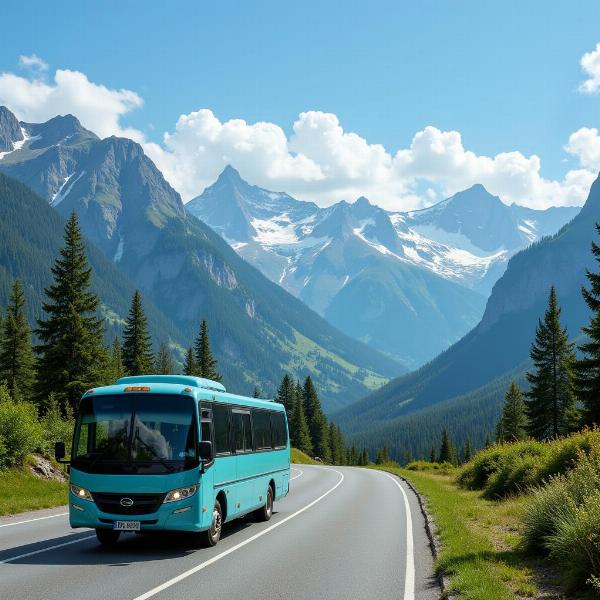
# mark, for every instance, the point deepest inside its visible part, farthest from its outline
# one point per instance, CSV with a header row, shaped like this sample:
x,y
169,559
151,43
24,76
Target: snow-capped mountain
x,y
409,284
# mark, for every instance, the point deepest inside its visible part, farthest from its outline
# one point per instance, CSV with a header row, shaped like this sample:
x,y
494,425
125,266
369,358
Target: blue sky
x,y
504,75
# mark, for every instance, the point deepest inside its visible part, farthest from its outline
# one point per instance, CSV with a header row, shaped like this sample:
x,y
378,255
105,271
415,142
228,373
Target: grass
x,y
20,491
299,458
480,549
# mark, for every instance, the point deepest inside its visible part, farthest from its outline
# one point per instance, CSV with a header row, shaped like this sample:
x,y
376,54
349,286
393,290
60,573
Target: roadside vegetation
x,y
299,458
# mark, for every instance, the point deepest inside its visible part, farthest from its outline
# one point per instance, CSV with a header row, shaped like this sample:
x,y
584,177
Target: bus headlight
x,y
181,493
81,493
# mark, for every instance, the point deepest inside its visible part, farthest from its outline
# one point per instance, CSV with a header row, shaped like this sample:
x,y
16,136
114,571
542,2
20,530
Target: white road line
x,y
36,519
300,473
409,577
214,559
48,548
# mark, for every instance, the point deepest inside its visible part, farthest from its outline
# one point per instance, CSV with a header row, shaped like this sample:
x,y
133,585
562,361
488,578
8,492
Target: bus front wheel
x,y
211,536
264,513
107,537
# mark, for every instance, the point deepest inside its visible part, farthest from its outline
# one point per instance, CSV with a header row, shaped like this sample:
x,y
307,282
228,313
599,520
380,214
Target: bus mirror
x,y
205,450
59,451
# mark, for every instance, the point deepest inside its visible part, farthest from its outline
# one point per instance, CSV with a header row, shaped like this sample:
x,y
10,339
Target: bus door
x,y
242,440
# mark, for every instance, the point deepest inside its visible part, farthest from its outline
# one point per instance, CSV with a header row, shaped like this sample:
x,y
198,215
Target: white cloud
x,y
319,161
33,63
96,106
590,63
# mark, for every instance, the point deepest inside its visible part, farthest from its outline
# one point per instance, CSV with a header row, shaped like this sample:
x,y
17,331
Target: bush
x,y
423,465
20,430
3,453
56,428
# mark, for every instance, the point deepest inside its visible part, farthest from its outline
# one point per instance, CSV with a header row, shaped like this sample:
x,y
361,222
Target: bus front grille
x,y
128,504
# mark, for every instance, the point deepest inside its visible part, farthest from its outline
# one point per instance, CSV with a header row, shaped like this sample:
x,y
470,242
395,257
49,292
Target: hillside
x,y
501,341
133,215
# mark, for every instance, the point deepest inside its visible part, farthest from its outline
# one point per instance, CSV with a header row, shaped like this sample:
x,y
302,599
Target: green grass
x,y
20,491
299,458
479,539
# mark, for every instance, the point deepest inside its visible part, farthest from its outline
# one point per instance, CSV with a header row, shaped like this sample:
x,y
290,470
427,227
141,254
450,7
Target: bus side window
x,y
238,431
206,424
278,428
247,432
261,423
221,428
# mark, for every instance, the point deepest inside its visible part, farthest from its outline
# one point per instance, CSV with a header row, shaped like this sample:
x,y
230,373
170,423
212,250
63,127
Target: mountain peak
x,y
58,130
231,174
10,130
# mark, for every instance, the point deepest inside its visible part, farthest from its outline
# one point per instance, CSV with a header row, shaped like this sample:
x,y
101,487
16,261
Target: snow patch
x,y
62,192
119,253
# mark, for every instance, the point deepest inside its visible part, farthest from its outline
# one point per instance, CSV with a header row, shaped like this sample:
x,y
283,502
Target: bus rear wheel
x,y
264,513
211,536
107,537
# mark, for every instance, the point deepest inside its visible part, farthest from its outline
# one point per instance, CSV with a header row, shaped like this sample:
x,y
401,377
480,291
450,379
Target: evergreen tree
x,y
364,458
286,394
353,456
71,355
16,355
299,431
317,422
336,443
164,360
137,343
468,451
447,453
190,366
551,399
588,367
256,392
433,455
115,366
487,442
207,363
513,423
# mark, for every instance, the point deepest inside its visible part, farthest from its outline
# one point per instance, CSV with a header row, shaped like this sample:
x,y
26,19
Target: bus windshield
x,y
128,434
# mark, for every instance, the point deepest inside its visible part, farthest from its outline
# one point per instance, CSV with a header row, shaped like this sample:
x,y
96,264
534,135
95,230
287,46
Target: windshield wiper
x,y
164,463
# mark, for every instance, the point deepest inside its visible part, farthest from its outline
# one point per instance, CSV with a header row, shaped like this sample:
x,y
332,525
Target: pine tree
x,y
588,367
299,431
551,399
71,355
513,423
468,451
433,455
353,457
16,355
207,363
256,392
190,367
447,453
317,422
364,458
164,360
115,366
137,343
487,442
286,394
336,443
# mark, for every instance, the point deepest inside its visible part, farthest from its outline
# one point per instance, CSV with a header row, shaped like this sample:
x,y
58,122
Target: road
x,y
341,533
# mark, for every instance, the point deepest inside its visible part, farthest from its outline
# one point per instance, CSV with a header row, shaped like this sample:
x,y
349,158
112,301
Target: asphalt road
x,y
340,533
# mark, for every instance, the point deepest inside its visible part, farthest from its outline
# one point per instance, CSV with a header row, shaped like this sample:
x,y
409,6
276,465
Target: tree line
x,y
564,392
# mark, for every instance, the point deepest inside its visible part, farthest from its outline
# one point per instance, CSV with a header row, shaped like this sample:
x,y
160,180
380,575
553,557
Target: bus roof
x,y
186,380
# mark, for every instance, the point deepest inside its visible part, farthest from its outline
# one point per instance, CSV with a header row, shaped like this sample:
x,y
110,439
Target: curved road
x,y
340,533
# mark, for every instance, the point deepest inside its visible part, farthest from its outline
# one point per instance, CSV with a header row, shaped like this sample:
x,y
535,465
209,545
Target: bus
x,y
174,453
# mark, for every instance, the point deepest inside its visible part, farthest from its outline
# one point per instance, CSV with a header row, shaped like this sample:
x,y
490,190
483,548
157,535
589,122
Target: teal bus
x,y
174,453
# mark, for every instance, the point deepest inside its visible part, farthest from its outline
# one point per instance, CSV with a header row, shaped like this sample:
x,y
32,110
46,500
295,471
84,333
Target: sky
x,y
404,102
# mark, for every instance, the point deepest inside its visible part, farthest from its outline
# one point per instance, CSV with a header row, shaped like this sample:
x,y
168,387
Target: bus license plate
x,y
126,525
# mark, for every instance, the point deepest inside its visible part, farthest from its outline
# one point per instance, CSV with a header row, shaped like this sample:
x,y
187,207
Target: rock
x,y
44,469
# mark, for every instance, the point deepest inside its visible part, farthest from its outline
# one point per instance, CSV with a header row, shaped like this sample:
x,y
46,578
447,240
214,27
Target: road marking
x,y
214,559
409,576
300,473
36,519
13,558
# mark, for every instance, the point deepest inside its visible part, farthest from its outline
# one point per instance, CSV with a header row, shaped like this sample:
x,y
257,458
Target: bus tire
x,y
211,536
107,537
264,513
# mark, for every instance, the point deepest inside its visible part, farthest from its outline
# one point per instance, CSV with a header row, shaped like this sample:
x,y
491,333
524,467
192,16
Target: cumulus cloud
x,y
590,63
322,162
33,63
96,106
318,161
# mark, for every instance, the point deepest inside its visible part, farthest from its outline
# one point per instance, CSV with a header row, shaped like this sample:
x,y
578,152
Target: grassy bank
x,y
299,458
20,491
480,549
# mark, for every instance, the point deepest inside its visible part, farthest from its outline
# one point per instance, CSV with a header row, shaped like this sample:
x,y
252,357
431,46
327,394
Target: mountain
x,y
31,235
500,343
408,284
138,221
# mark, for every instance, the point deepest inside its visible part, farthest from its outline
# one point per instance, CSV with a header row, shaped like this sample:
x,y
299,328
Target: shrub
x,y
3,453
423,465
56,427
20,430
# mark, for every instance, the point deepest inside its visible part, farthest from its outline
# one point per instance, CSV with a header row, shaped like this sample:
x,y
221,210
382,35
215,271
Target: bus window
x,y
205,424
278,428
247,432
221,427
261,423
238,431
